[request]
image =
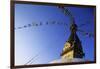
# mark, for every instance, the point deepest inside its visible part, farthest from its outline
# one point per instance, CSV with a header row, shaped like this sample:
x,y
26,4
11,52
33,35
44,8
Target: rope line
x,y
41,24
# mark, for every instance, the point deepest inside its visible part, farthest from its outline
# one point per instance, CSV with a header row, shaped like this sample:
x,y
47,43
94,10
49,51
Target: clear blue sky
x,y
48,40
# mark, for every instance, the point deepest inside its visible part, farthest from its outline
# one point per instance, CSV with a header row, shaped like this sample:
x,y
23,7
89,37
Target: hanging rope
x,y
67,13
41,24
31,59
86,33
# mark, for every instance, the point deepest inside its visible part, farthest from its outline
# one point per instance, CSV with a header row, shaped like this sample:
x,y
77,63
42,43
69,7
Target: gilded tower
x,y
72,47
